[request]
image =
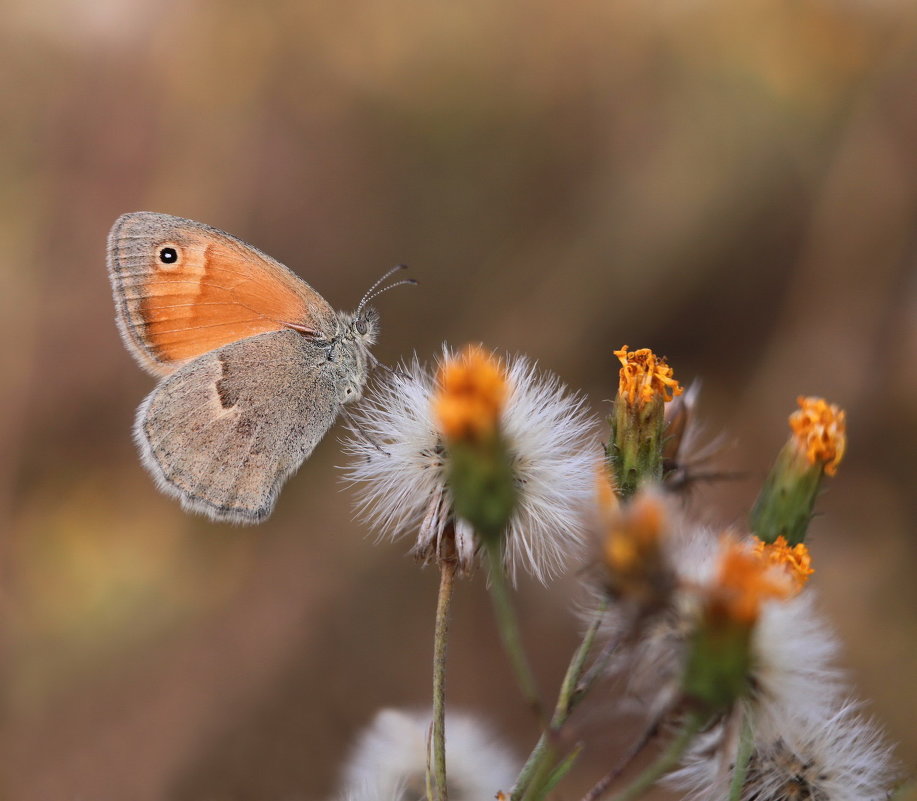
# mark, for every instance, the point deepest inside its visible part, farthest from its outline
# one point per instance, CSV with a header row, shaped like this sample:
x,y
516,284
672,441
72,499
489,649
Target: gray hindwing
x,y
225,431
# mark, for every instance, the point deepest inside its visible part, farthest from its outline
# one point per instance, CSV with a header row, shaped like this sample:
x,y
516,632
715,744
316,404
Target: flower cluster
x,y
716,634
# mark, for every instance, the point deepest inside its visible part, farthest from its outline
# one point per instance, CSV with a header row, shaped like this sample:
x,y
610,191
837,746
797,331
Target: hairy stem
x,y
436,765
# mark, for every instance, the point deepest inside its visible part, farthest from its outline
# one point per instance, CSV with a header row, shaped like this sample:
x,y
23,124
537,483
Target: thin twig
x,y
664,763
602,785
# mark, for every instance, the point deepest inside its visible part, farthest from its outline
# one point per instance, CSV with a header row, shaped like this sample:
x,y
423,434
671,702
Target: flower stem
x,y
572,690
666,761
743,757
509,628
561,771
436,765
602,785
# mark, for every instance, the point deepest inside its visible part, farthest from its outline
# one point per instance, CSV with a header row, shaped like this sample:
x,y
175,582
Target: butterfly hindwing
x,y
225,431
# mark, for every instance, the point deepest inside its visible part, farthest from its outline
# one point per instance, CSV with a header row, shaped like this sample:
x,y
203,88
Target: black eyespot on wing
x,y
168,255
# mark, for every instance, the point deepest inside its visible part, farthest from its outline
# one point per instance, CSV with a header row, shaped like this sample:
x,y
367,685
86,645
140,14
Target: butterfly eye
x,y
168,255
361,326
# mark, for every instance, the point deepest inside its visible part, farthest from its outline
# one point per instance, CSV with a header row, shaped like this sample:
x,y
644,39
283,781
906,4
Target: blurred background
x,y
732,184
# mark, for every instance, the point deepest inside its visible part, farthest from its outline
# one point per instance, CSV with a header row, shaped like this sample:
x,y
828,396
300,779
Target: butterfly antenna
x,y
410,281
369,292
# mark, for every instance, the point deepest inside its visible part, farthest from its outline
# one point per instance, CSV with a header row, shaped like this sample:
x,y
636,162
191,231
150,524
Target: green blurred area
x,y
731,183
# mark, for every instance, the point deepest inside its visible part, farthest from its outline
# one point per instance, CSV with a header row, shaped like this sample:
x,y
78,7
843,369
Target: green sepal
x,y
635,449
481,477
785,504
718,665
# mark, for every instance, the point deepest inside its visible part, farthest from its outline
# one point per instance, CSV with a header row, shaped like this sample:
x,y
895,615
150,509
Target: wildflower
x,y
471,389
795,560
815,449
635,451
785,653
402,466
820,432
719,656
650,649
634,557
645,378
837,756
388,761
746,580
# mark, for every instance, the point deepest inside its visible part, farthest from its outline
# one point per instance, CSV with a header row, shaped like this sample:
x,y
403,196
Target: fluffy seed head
x,y
792,650
400,468
838,756
388,761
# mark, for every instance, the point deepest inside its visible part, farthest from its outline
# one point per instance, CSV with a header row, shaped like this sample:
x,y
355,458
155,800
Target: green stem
x,y
531,766
571,692
509,628
436,765
666,761
560,771
743,757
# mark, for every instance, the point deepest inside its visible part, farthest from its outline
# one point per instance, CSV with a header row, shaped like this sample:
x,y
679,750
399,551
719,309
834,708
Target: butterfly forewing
x,y
182,289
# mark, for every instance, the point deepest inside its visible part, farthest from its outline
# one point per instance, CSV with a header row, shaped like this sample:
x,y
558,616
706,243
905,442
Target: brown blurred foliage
x,y
731,183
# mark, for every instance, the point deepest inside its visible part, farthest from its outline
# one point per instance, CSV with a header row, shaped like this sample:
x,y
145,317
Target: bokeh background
x,y
731,183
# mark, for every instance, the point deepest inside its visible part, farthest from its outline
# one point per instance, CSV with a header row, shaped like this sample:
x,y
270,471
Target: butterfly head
x,y
365,325
365,320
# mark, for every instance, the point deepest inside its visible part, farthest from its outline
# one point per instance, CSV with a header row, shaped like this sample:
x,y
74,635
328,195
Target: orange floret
x,y
796,560
820,431
745,581
645,377
471,390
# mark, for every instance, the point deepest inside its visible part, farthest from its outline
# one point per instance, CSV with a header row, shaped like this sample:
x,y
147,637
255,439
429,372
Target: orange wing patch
x,y
183,289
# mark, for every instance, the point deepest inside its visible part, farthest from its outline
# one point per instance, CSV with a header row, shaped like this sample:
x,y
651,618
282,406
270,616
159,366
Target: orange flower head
x,y
644,377
745,581
820,431
471,391
635,538
795,561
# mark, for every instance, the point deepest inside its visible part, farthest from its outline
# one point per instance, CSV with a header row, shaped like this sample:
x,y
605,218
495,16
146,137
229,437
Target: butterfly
x,y
255,365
